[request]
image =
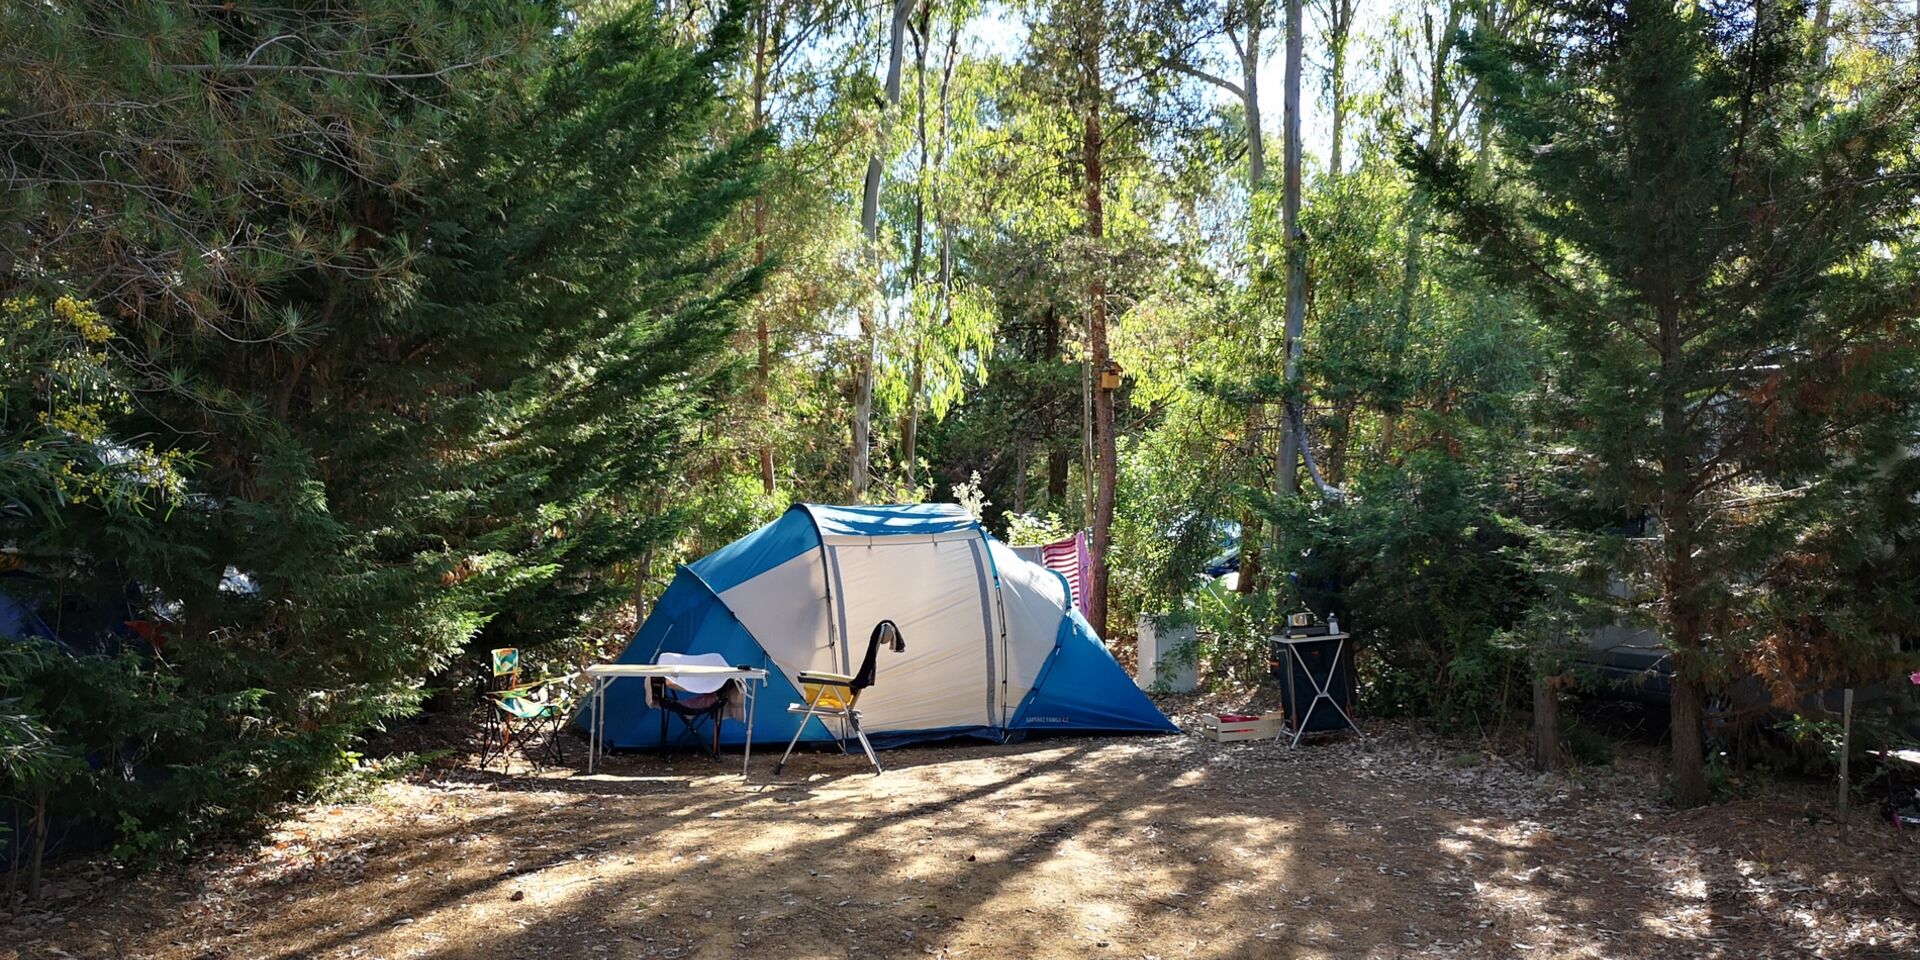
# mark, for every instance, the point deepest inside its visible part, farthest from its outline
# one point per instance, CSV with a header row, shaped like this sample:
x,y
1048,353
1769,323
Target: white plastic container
x,y
1165,654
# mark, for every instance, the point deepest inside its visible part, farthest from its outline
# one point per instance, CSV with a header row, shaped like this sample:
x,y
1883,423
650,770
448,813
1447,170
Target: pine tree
x,y
414,295
1723,247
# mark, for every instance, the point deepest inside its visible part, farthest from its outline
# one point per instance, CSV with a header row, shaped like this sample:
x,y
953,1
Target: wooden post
x,y
1546,723
1846,749
39,844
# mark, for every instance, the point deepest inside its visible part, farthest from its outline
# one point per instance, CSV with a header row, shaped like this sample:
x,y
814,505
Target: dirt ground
x,y
1396,845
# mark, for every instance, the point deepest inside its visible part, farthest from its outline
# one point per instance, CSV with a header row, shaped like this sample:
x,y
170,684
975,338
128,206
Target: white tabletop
x,y
677,670
1312,639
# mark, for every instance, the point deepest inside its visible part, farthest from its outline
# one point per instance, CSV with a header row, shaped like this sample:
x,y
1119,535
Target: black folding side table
x,y
1321,682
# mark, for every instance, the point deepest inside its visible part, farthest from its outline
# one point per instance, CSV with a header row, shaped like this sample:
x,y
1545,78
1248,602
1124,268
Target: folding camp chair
x,y
835,694
692,700
506,668
522,710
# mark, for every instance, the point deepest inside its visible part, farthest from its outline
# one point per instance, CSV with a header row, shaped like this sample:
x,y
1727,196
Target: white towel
x,y
736,698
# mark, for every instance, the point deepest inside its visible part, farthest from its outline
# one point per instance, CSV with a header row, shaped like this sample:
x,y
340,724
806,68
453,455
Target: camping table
x,y
1320,683
604,674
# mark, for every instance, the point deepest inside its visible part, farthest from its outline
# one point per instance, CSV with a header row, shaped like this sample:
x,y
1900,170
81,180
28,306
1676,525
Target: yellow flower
x,y
82,317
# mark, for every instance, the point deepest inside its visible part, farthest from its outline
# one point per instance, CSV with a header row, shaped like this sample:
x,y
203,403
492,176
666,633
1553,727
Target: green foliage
x,y
1233,632
1585,746
1028,529
31,756
1722,250
360,776
399,321
59,385
970,497
126,742
1426,571
444,326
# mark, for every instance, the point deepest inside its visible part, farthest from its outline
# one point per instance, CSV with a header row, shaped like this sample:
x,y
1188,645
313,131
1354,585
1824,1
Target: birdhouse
x,y
1110,376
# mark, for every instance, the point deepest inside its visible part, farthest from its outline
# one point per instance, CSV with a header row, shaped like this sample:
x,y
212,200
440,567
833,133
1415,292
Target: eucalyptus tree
x,y
1222,44
945,337
861,462
1337,16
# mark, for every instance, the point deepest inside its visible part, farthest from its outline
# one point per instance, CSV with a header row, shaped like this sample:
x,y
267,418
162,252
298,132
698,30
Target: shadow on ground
x,y
1146,847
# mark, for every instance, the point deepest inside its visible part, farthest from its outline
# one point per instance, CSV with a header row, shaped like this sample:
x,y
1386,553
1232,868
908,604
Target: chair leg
x,y
527,730
486,741
853,720
694,739
550,746
690,734
796,738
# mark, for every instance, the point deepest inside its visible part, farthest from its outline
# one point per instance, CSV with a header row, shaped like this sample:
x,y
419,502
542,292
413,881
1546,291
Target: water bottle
x,y
1333,623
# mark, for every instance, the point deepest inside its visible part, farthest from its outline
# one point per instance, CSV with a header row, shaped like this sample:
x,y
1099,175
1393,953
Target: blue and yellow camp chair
x,y
835,695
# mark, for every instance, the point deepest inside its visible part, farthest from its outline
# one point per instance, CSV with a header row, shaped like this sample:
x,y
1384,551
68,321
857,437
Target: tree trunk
x,y
14,874
1020,475
1251,556
1687,718
1255,425
910,418
1546,723
1057,464
1339,443
763,33
1679,583
1403,319
1441,46
39,842
1058,460
1105,450
1287,469
1250,95
1339,29
862,473
645,566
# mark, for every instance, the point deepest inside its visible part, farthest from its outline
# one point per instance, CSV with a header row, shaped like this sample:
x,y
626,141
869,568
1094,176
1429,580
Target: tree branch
x,y
311,68
1198,74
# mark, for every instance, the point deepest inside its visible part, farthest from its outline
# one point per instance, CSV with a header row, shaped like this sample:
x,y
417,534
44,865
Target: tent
x,y
995,648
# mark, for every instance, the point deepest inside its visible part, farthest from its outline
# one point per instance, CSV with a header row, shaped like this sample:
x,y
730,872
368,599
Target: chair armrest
x,y
828,679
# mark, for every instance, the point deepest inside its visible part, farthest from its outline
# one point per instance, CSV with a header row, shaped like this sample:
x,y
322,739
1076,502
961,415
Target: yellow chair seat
x,y
825,697
825,691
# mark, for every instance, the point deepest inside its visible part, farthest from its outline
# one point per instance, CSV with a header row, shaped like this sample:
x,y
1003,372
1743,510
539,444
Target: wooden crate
x,y
1228,731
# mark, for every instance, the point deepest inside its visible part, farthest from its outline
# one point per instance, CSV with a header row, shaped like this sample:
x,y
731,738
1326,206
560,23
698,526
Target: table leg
x,y
1320,691
597,729
746,748
1339,649
1300,723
